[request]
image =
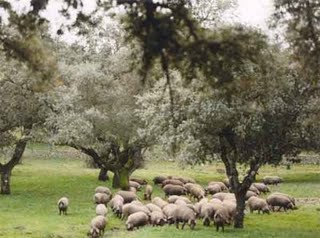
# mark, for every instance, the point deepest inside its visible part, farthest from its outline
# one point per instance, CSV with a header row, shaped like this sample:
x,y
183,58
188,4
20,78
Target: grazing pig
x,y
159,179
101,198
159,202
207,213
185,180
208,210
221,218
220,196
101,209
63,205
127,196
98,225
230,197
116,204
172,181
197,192
102,189
288,196
152,207
198,206
136,202
185,199
272,180
130,208
226,182
174,198
213,189
157,218
136,220
231,208
258,204
168,211
261,187
132,189
223,187
139,180
180,202
185,215
171,189
190,186
203,200
148,192
250,194
278,200
254,189
191,206
135,185
216,201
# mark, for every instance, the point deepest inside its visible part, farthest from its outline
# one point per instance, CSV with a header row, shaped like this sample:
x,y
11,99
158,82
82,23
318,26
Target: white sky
x,y
255,12
251,12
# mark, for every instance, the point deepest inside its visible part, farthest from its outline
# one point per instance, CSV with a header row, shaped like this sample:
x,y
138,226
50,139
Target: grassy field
x,y
44,177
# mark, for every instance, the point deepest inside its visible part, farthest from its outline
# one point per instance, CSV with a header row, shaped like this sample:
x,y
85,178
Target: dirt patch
x,y
308,201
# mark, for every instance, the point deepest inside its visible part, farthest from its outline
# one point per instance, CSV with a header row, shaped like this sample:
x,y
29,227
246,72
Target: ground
x,y
45,175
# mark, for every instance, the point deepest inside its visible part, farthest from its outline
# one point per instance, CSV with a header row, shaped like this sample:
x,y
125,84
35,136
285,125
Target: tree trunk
x,y
103,174
121,179
6,169
5,181
116,179
129,160
229,157
239,217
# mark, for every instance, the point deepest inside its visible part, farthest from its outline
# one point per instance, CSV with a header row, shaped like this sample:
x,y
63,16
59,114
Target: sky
x,y
251,12
255,12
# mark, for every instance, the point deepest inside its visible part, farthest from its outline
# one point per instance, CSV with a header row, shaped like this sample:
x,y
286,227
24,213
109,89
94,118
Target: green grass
x,y
37,184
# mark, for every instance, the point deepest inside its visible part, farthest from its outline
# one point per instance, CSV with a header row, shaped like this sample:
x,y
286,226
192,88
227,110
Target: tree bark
x,y
239,217
228,151
116,179
121,179
5,182
128,161
103,174
90,152
6,169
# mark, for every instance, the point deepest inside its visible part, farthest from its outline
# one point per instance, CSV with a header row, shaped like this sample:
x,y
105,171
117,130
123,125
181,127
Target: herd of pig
x,y
185,202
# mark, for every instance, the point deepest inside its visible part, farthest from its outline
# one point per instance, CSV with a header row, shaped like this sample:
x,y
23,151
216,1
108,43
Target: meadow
x,y
42,178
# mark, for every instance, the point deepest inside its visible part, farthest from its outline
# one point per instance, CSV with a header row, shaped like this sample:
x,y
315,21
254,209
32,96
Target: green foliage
x,y
300,18
23,39
263,107
21,107
177,132
210,13
98,104
170,35
94,111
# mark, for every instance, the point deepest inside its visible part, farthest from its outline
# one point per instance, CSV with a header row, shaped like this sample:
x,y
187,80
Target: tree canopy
x,y
94,111
301,22
22,112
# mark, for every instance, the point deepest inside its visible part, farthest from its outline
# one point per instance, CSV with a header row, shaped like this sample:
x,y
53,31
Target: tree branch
x,y
90,152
